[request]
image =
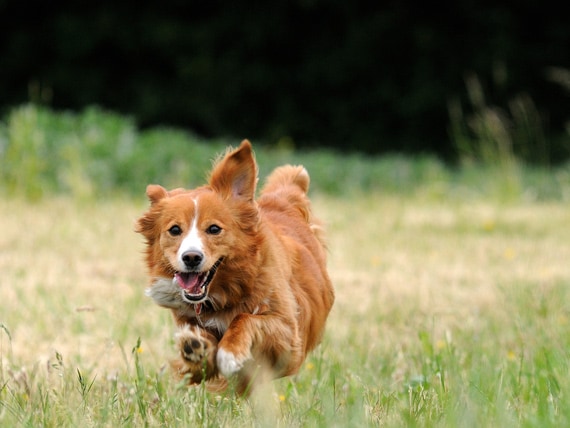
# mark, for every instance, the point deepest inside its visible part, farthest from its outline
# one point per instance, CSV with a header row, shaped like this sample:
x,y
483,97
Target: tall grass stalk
x,y
499,140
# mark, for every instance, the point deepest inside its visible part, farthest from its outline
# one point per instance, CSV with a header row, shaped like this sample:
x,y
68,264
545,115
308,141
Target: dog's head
x,y
197,237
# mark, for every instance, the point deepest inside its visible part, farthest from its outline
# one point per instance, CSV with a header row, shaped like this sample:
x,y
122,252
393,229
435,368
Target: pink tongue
x,y
189,282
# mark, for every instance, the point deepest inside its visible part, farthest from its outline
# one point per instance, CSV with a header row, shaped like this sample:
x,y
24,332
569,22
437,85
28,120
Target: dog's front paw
x,y
197,354
229,363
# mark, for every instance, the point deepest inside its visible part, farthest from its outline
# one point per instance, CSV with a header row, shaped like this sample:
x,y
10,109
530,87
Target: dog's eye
x,y
214,230
175,230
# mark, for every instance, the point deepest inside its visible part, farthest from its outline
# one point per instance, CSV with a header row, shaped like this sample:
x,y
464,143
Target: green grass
x,y
447,314
453,287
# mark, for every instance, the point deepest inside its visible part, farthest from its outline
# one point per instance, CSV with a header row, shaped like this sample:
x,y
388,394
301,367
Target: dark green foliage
x,y
371,76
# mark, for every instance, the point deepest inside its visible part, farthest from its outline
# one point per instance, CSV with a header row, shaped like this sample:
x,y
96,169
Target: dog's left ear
x,y
235,175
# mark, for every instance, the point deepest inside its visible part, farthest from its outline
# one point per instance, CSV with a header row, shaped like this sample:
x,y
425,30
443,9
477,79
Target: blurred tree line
x,y
366,75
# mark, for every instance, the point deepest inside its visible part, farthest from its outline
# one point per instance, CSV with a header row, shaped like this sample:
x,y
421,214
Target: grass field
x,y
447,314
453,287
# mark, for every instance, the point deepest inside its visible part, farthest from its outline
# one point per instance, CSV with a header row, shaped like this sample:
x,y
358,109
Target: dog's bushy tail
x,y
292,183
285,176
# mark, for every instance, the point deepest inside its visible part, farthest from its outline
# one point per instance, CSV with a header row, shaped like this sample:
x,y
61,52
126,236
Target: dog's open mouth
x,y
194,285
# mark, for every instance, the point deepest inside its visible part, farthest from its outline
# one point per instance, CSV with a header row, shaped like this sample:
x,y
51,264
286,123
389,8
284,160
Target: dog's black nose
x,y
192,259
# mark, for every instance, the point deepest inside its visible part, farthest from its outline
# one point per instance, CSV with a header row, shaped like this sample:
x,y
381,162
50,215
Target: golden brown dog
x,y
246,280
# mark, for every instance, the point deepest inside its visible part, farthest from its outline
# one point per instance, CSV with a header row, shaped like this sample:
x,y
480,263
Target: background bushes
x,y
96,153
376,77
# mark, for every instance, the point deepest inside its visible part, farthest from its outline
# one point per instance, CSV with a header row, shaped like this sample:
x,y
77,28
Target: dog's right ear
x,y
155,193
147,223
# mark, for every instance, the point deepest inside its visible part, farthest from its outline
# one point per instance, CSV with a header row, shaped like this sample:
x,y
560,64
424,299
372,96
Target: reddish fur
x,y
274,263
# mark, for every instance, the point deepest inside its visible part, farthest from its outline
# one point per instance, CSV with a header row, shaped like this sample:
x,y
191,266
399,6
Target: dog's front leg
x,y
259,341
197,358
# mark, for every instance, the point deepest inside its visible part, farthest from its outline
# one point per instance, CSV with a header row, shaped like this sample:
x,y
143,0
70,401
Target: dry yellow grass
x,y
402,266
73,277
72,281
